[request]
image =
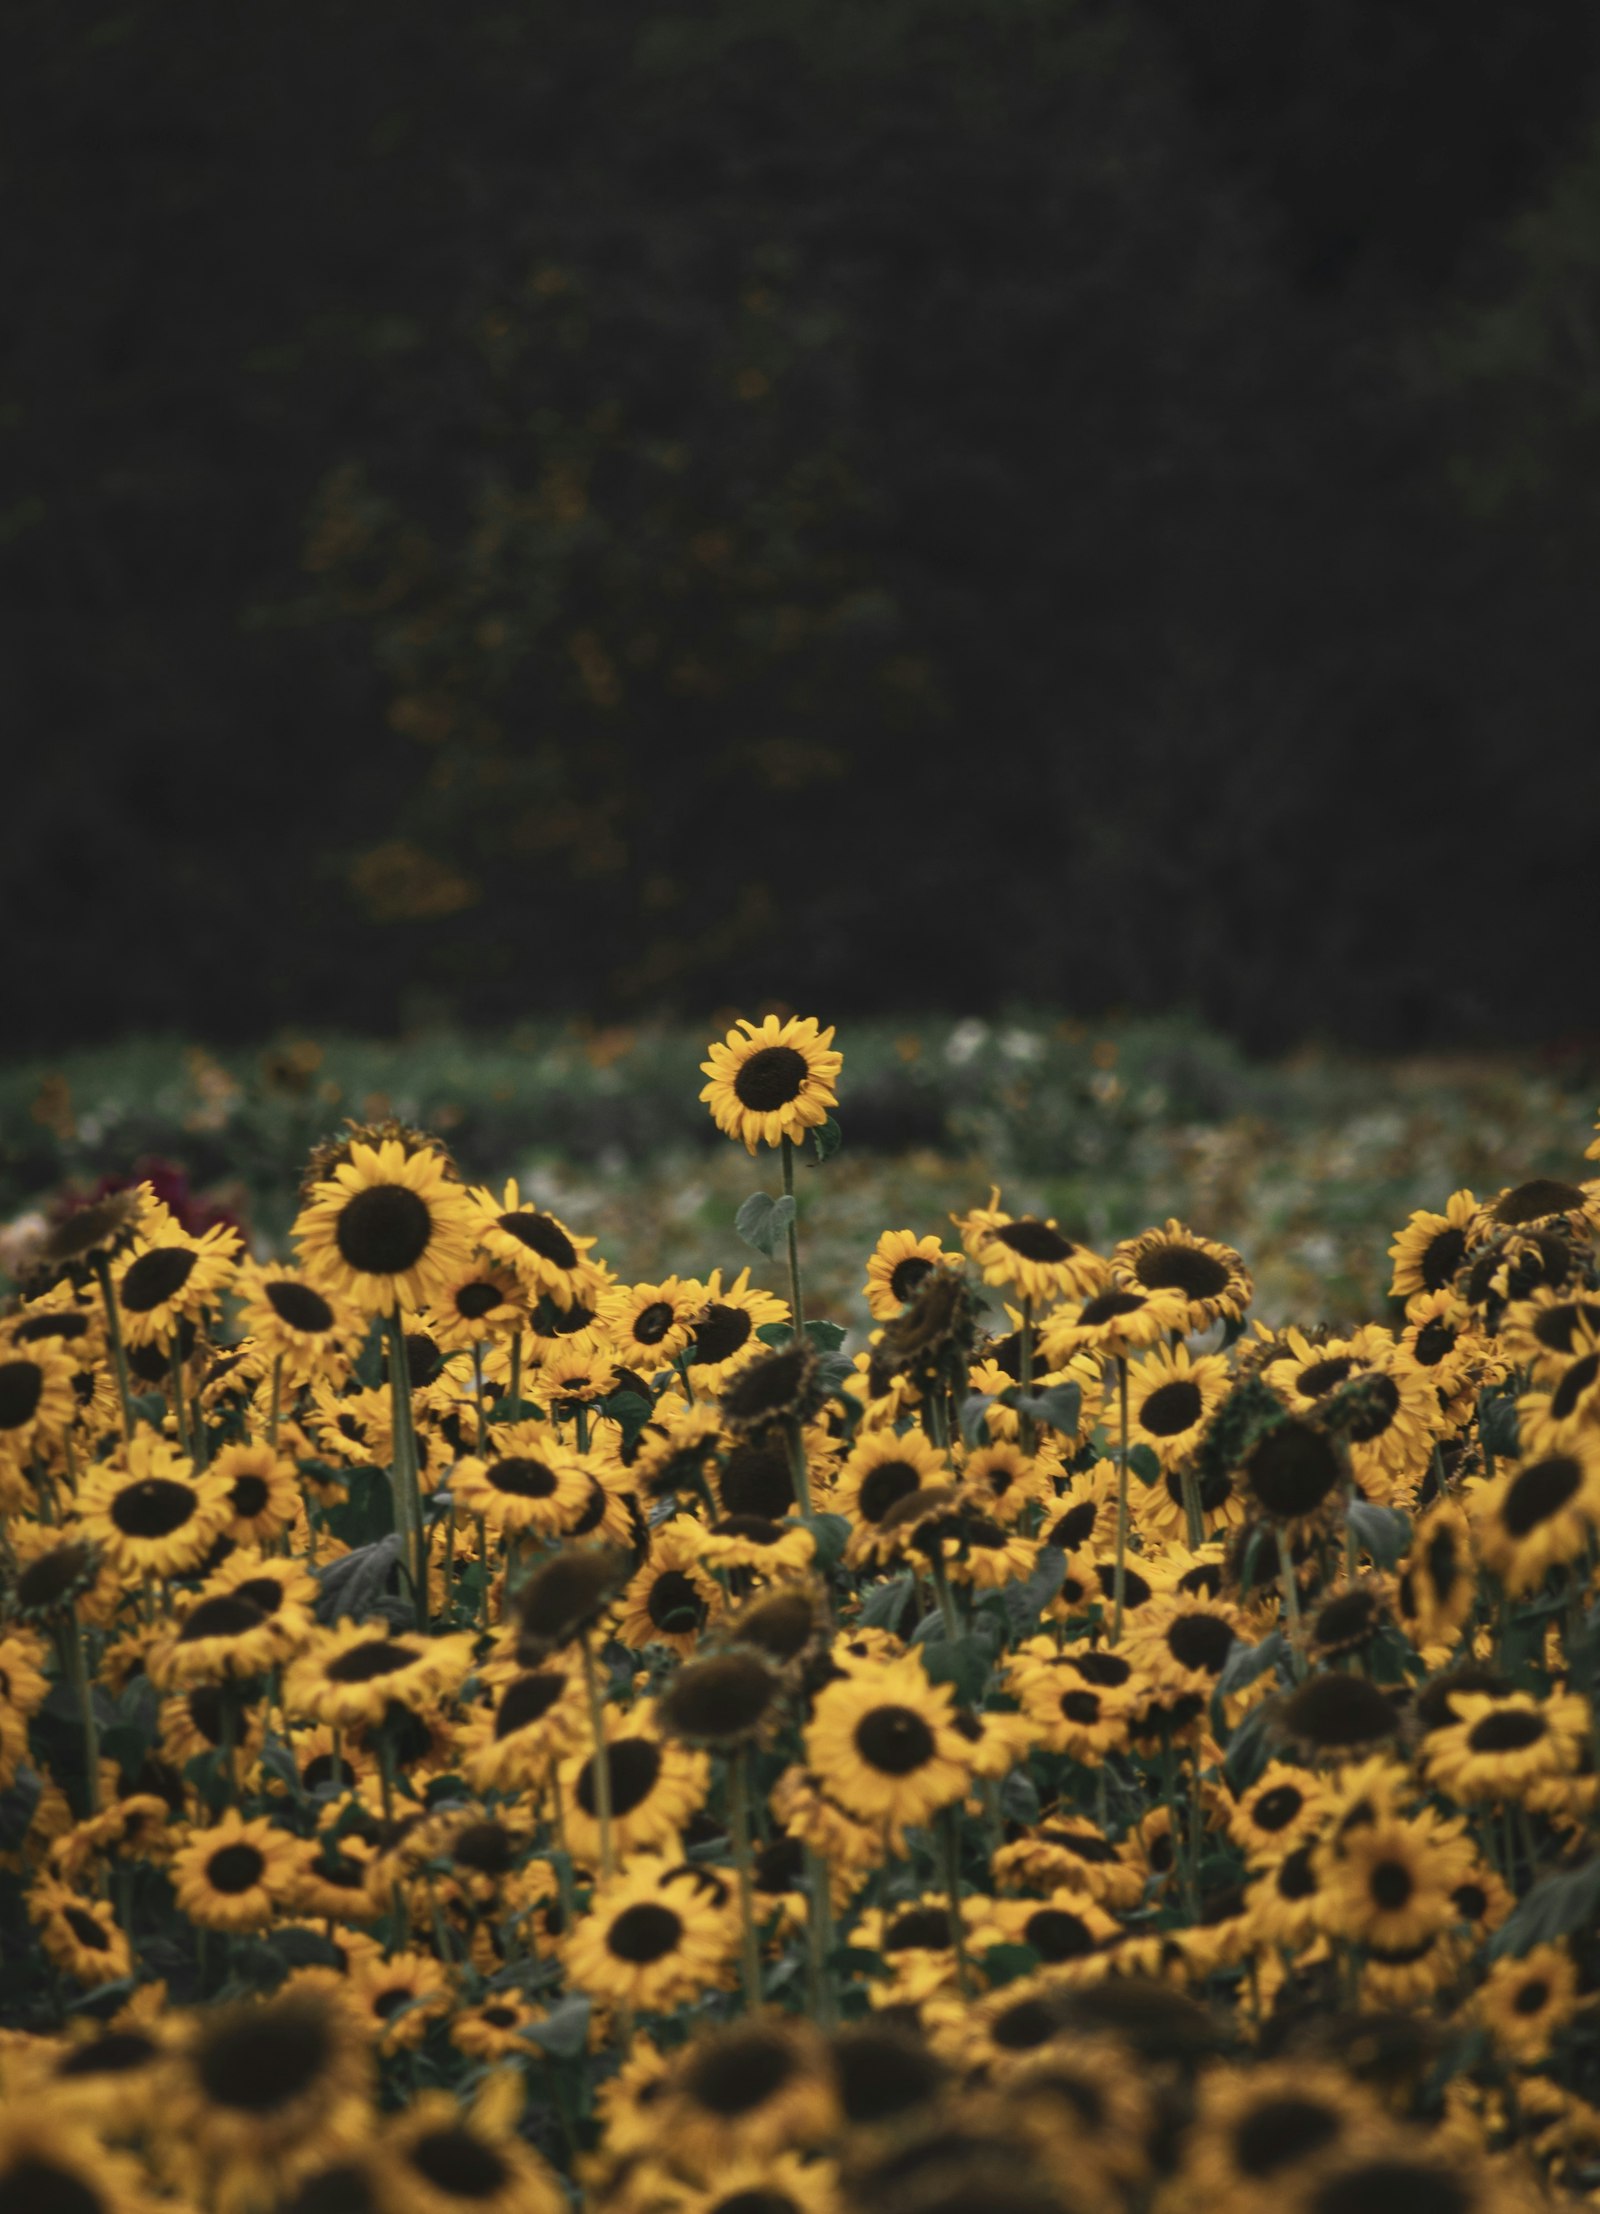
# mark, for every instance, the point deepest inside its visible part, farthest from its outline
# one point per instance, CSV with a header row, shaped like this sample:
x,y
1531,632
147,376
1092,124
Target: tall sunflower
x,y
1029,1253
389,1228
1539,1513
1211,1279
772,1080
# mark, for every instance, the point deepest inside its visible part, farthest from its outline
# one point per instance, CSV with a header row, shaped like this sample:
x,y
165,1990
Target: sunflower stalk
x,y
794,1446
180,1418
819,1941
1291,1600
1119,1580
1027,1431
602,1756
119,1353
797,1301
405,1471
1192,1514
75,1668
950,1839
276,1407
739,1825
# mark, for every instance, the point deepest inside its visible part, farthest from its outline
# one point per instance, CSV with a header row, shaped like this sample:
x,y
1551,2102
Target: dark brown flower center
x,y
1573,1385
155,1277
734,2075
474,1301
1109,1306
32,2184
1506,1730
1441,1257
541,1234
1291,1470
634,1764
1278,2130
651,1324
458,2162
299,1306
1171,1408
675,1604
755,1479
1034,1240
1540,1491
21,1388
364,1663
153,1507
1055,1934
1201,1641
895,1740
234,1869
723,1696
257,2060
1334,1713
906,1275
86,1930
1396,2186
1541,1196
527,1699
884,1487
720,1333
1184,1268
228,1614
521,1478
383,1230
770,1078
1391,1885
248,1495
1277,1808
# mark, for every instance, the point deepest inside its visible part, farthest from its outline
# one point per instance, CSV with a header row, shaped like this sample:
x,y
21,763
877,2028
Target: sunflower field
x,y
481,1732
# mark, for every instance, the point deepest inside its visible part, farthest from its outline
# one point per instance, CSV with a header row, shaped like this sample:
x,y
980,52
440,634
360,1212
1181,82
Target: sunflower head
x,y
772,1082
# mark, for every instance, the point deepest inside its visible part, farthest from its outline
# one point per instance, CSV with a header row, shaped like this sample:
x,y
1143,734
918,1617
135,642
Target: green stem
x,y
819,1940
1191,1507
102,1269
950,1837
946,1598
739,1826
1027,1434
797,1302
277,1403
477,1395
1291,1598
514,1392
405,1473
794,1446
602,1757
75,1667
178,1415
1119,1581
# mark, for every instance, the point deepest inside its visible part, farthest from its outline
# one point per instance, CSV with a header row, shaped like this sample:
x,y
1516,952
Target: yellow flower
x,y
389,1229
772,1080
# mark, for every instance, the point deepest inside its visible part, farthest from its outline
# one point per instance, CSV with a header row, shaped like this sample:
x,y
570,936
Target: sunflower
x,y
1437,1584
150,1513
50,2163
1161,1511
288,1319
1083,2109
550,1261
1347,1618
1257,2129
1538,1513
1334,1717
1382,2173
237,1875
722,1336
788,1622
495,2029
1431,1248
1524,2002
437,2157
273,2087
221,1635
1064,1926
354,1673
1441,1340
264,1492
396,1996
388,1229
884,1469
772,1081
747,2089
649,1324
657,1785
1183,1644
1388,1884
671,1598
752,1541
1499,1747
723,1700
284,1589
1118,1320
1548,1330
486,1301
1210,1278
1172,1395
1029,1253
37,1402
565,1596
897,1266
1290,1476
80,1935
1568,1407
104,2079
1011,1484
778,2183
534,1485
885,1737
1073,1712
648,1941
169,1277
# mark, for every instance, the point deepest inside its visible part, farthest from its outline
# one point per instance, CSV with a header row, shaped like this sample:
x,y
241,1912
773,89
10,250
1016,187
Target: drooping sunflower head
x,y
724,1700
1335,1717
1292,1474
776,1387
1211,1279
772,1081
565,1596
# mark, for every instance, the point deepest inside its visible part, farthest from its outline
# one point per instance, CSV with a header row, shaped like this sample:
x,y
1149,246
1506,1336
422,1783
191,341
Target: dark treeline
x,y
949,501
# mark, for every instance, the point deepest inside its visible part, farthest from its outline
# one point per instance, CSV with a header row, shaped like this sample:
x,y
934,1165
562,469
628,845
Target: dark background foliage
x,y
644,507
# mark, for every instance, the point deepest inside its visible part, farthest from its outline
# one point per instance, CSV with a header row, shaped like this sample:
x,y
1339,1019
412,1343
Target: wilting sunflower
x,y
36,1397
1500,1747
657,1785
1210,1278
437,2157
1539,1513
897,1266
1524,2002
1431,1248
150,1513
237,1875
1172,1395
354,1673
648,1941
772,1080
533,1483
1291,1476
1029,1253
169,1277
885,1738
389,1228
289,1319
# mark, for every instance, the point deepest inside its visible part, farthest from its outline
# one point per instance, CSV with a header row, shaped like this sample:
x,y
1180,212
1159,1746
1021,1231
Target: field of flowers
x,y
987,1643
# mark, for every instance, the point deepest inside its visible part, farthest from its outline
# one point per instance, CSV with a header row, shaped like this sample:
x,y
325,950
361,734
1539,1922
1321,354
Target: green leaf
x,y
834,1371
1142,1462
763,1222
366,1512
827,1337
565,2029
1058,1408
1384,1532
627,1408
1247,1753
1006,1963
1246,1662
883,1605
1497,1422
961,1661
1555,1907
774,1333
832,1534
826,1139
1025,1602
1019,1797
354,1584
974,1411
